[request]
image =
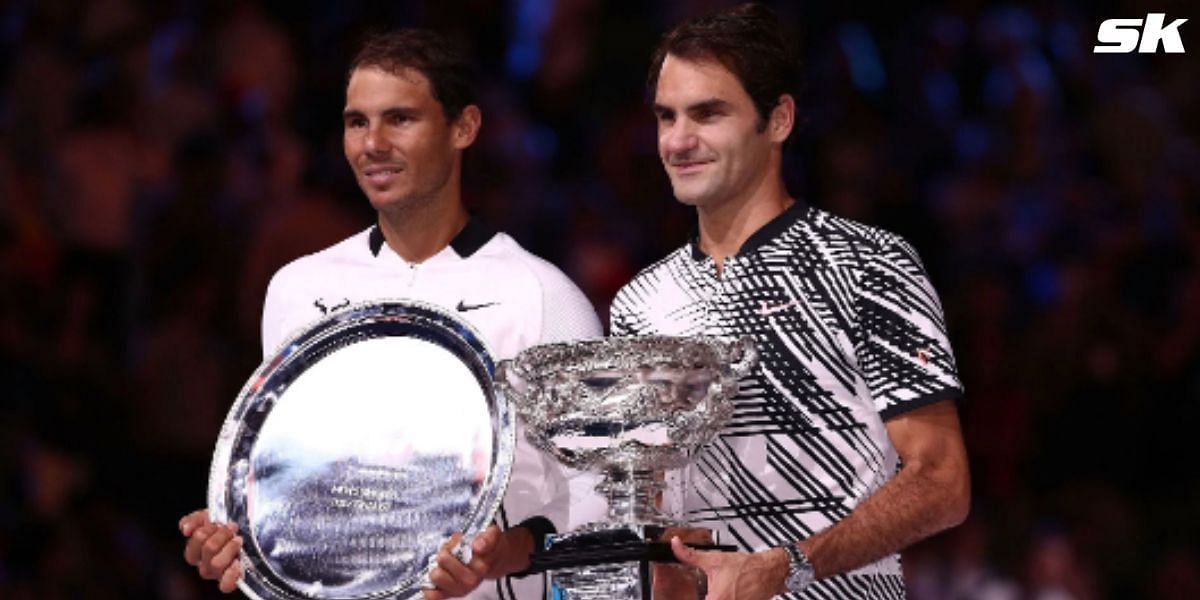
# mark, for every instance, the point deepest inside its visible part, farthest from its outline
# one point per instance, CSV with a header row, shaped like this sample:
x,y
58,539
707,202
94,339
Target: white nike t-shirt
x,y
513,298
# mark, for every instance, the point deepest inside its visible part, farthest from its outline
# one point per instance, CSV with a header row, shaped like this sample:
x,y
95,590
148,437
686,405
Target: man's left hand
x,y
737,575
494,553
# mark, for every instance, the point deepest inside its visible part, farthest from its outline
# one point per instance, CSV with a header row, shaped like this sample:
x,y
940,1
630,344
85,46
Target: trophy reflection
x,y
631,409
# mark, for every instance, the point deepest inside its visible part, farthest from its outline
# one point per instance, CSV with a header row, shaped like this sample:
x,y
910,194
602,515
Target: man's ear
x,y
465,128
782,119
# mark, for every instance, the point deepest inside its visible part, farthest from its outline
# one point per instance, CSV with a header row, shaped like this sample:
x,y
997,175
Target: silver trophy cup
x,y
631,409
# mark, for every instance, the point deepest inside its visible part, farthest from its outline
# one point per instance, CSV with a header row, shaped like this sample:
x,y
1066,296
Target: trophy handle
x,y
505,384
748,358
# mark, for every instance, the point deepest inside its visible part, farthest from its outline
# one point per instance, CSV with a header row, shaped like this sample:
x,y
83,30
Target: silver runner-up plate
x,y
357,449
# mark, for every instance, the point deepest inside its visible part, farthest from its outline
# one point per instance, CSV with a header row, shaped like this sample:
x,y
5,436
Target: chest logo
x,y
464,307
320,304
765,309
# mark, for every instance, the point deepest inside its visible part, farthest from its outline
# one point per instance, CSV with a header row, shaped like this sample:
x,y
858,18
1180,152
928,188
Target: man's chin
x,y
388,205
380,203
395,204
691,193
689,197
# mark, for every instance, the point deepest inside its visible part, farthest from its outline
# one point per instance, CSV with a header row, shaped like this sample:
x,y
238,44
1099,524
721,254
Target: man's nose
x,y
376,142
679,137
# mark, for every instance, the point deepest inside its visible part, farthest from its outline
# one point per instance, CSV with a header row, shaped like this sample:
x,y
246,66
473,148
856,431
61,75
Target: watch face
x,y
800,571
799,579
357,449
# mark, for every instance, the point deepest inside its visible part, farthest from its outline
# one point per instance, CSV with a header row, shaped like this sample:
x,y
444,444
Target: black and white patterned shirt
x,y
850,333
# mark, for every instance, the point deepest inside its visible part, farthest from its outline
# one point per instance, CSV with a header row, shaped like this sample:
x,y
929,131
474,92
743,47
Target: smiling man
x,y
845,444
410,114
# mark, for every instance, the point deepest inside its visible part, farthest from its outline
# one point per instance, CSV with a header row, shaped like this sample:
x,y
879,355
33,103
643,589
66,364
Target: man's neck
x,y
421,232
725,226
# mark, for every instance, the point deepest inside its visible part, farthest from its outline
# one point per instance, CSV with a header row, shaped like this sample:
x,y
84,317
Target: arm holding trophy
x,y
931,493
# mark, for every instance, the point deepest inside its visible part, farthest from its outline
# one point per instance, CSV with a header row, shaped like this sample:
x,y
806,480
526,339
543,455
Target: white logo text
x,y
1120,36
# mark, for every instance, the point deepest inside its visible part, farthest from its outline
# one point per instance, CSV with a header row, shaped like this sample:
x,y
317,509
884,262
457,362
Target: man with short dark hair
x,y
845,444
410,114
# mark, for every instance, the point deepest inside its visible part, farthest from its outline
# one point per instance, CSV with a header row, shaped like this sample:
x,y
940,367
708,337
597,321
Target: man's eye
x,y
356,123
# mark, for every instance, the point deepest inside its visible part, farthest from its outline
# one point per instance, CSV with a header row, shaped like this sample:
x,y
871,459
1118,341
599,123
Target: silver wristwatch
x,y
800,571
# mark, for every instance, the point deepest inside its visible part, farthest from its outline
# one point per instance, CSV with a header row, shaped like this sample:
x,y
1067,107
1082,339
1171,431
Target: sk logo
x,y
1120,36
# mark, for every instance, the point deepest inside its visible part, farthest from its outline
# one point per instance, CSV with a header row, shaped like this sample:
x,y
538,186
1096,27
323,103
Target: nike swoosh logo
x,y
765,309
464,307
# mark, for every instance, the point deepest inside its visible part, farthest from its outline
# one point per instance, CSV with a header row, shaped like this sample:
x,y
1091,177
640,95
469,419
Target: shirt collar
x,y
468,241
762,236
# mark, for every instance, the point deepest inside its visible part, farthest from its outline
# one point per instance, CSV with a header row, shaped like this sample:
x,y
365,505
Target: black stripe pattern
x,y
850,333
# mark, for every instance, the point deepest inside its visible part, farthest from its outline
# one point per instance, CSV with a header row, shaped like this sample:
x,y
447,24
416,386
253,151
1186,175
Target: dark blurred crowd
x,y
159,160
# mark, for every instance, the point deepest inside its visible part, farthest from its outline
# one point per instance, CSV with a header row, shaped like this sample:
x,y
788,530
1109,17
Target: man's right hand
x,y
213,549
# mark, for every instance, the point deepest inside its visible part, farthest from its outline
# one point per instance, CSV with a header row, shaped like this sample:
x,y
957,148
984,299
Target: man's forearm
x,y
912,506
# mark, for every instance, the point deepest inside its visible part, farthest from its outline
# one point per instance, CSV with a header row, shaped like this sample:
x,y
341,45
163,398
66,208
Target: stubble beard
x,y
414,202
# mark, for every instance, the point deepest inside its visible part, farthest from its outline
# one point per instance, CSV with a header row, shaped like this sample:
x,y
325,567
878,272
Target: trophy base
x,y
626,562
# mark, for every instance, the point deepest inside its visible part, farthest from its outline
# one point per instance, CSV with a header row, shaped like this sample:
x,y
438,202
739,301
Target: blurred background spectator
x,y
159,160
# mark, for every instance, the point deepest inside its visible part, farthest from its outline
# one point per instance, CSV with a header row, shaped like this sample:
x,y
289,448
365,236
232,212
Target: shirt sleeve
x,y
272,316
903,349
567,314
